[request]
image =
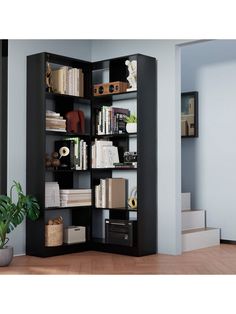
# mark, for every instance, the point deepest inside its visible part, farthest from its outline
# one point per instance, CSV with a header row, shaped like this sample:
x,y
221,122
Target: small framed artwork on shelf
x,y
189,114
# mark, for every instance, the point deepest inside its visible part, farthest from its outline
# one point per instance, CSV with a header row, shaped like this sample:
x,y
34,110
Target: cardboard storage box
x,y
75,234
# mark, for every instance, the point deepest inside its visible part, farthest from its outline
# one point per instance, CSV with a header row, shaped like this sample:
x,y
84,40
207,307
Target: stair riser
x,y
193,220
201,239
185,201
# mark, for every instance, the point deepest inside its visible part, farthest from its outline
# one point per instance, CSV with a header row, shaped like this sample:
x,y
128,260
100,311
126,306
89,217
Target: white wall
x,y
209,162
169,152
18,50
169,158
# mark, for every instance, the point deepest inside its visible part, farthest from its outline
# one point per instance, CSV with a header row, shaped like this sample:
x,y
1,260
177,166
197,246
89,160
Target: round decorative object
x,y
132,202
6,255
64,151
131,127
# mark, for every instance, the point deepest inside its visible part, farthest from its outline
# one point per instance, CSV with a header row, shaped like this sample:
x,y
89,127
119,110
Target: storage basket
x,y
54,235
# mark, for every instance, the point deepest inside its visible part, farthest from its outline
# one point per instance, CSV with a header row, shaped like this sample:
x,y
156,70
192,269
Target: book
x,y
116,192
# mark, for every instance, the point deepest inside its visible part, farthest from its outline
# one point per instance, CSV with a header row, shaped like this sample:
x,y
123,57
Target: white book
x,y
99,152
74,191
110,156
84,156
103,192
93,162
97,192
81,154
70,81
56,130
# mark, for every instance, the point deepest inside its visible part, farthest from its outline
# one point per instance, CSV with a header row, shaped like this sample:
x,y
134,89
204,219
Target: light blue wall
x,y
18,50
168,119
209,162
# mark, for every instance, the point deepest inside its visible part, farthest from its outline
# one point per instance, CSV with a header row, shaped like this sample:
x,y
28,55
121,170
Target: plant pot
x,y
131,127
6,255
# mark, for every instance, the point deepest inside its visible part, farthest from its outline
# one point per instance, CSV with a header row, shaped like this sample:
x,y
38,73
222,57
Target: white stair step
x,y
193,219
185,201
200,238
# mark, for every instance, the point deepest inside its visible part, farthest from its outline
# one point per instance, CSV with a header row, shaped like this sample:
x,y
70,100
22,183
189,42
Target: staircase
x,y
195,234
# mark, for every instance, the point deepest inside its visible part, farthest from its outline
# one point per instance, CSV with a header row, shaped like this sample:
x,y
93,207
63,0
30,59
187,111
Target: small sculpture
x,y
132,78
52,161
49,78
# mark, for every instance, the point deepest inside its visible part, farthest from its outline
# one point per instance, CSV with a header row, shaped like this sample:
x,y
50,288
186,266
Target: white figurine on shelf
x,y
132,78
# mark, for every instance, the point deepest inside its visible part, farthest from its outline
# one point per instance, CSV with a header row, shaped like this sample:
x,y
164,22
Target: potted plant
x,y
131,123
11,215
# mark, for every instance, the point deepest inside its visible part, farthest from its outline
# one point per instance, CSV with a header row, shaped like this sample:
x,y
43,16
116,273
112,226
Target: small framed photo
x,y
189,114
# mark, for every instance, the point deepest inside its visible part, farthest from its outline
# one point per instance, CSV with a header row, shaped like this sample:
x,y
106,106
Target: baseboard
x,y
21,254
228,241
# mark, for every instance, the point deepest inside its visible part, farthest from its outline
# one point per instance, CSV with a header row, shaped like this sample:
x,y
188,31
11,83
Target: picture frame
x,y
189,114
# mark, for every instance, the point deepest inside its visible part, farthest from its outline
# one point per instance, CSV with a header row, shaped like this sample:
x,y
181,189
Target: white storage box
x,y
74,234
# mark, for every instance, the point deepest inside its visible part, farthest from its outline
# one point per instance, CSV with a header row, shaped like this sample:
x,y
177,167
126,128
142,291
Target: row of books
x,y
111,193
77,157
55,122
56,197
67,80
104,154
111,120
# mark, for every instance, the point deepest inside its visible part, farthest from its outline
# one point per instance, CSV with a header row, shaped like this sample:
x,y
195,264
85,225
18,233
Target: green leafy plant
x,y
131,119
12,214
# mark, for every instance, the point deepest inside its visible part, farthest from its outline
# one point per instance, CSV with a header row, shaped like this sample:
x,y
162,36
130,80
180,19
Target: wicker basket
x,y
54,235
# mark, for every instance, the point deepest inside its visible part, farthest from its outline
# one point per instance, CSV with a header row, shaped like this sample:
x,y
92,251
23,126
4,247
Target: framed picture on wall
x,y
189,114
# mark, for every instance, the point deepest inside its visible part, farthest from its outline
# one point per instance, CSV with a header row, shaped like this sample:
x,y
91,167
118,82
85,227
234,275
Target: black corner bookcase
x,y
38,141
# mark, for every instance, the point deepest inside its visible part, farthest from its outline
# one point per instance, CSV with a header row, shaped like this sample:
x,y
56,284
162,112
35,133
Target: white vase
x,y
6,255
131,127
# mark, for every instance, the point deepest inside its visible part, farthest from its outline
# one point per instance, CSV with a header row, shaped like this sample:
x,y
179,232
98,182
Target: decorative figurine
x,y
52,161
132,78
49,78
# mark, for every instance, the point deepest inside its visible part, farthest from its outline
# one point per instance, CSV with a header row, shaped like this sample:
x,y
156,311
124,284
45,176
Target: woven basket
x,y
54,235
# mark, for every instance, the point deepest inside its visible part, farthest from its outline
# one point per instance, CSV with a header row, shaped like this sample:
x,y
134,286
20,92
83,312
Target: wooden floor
x,y
216,260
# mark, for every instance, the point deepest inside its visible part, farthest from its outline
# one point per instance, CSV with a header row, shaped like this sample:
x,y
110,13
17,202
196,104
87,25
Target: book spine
x,y
103,193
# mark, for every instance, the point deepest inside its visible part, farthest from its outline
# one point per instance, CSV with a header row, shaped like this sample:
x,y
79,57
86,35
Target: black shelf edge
x,y
70,207
116,209
81,100
114,97
63,171
117,168
60,133
114,135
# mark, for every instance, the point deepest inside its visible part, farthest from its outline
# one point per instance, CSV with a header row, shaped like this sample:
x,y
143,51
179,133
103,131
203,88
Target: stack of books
x,y
69,81
55,122
104,154
111,193
76,197
52,194
110,120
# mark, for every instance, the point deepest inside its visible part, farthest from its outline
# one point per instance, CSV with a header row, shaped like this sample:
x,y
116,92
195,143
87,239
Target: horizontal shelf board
x,y
115,135
117,168
70,207
77,99
64,170
116,209
114,97
103,241
56,133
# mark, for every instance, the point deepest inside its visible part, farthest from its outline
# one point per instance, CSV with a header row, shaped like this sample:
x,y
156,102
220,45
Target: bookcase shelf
x,y
123,135
69,207
116,209
115,97
64,170
41,141
55,96
58,133
117,168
